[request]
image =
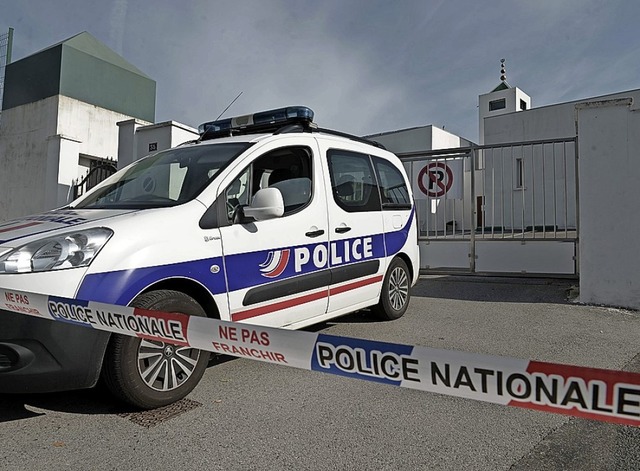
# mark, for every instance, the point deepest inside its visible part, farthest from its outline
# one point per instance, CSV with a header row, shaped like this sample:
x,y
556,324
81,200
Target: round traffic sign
x,y
440,179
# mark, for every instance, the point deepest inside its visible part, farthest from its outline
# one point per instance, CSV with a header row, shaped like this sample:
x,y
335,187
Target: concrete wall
x,y
163,136
24,131
136,139
546,122
40,144
419,139
512,97
609,146
95,128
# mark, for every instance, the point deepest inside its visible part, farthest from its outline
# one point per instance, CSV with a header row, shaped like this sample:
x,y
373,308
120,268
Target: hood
x,y
12,232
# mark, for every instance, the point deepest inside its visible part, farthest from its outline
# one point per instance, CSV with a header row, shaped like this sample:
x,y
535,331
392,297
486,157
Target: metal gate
x,y
499,209
100,170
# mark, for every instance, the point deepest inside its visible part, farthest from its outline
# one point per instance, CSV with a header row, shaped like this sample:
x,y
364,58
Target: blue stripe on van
x,y
394,241
120,287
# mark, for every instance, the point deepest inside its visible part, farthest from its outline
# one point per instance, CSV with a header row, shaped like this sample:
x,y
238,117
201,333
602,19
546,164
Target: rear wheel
x,y
149,373
395,295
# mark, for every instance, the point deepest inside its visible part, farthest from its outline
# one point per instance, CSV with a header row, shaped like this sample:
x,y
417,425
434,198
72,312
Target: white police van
x,y
265,219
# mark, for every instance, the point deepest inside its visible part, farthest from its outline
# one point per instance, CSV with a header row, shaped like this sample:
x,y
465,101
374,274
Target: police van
x,y
265,219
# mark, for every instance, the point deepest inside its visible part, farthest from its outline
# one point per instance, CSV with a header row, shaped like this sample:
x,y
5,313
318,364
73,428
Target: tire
x,y
395,295
141,372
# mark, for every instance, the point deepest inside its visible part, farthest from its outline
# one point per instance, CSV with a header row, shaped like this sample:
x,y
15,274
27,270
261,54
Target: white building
x,y
553,191
59,116
419,139
137,139
504,99
605,164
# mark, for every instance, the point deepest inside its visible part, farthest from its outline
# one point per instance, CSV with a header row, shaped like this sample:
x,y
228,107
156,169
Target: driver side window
x,y
289,169
237,194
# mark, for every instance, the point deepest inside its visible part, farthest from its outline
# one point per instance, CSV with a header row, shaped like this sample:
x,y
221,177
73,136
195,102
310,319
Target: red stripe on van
x,y
356,285
259,311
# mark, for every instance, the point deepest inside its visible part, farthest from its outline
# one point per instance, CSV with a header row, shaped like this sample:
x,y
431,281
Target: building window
x,y
498,104
519,177
523,105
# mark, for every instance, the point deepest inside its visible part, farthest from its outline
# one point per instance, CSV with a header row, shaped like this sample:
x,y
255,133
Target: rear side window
x,y
393,189
353,182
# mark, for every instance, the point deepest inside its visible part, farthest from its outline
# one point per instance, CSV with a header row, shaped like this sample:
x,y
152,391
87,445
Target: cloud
x,y
363,66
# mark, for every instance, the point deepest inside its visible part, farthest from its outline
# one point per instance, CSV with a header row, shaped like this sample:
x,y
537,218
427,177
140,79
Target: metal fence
x,y
525,191
98,172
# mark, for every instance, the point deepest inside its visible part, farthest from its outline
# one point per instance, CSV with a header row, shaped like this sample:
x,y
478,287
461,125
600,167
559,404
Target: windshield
x,y
167,178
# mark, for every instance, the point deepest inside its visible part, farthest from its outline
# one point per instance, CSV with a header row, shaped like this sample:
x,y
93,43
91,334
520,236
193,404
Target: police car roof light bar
x,y
264,121
277,121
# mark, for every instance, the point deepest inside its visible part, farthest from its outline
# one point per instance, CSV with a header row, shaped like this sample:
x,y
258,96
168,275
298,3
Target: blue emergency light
x,y
259,121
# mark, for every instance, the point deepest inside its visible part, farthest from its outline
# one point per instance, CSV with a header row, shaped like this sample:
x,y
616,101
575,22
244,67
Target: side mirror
x,y
266,204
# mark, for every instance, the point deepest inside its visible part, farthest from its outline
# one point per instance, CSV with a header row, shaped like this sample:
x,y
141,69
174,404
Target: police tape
x,y
605,395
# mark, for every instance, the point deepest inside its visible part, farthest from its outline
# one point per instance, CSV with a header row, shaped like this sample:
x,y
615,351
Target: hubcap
x,y
398,288
163,366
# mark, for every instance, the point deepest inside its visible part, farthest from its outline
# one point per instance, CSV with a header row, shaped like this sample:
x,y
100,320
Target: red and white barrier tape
x,y
606,395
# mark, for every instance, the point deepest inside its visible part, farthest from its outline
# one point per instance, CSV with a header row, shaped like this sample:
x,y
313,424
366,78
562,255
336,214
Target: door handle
x,y
317,233
342,229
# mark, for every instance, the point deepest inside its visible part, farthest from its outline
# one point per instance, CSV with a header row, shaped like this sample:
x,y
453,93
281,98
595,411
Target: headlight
x,y
72,250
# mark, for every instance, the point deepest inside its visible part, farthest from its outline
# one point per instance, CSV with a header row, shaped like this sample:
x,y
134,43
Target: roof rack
x,y
364,140
290,128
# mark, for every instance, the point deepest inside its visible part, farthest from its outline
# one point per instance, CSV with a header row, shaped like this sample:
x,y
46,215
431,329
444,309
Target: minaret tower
x,y
501,100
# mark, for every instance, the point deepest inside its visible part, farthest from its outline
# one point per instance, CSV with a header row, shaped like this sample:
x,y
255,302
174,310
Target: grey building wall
x,y
61,103
32,79
609,144
85,69
547,122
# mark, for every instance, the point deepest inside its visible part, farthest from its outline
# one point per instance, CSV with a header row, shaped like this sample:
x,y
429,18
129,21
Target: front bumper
x,y
39,355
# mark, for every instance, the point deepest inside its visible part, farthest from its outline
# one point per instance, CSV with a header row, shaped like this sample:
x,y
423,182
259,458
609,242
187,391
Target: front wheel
x,y
394,298
148,373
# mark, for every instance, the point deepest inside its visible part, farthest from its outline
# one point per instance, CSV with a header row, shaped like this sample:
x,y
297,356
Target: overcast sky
x,y
362,66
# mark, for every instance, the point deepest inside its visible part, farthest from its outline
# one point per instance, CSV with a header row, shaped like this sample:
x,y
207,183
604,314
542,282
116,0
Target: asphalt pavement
x,y
247,415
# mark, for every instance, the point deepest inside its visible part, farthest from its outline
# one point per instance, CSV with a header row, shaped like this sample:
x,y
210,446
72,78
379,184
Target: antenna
x,y
503,71
229,106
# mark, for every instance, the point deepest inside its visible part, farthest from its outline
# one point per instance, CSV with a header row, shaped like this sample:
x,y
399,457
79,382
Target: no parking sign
x,y
438,179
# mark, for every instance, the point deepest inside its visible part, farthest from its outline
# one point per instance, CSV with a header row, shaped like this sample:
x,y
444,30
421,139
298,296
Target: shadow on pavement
x,y
95,401
497,289
86,401
469,288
